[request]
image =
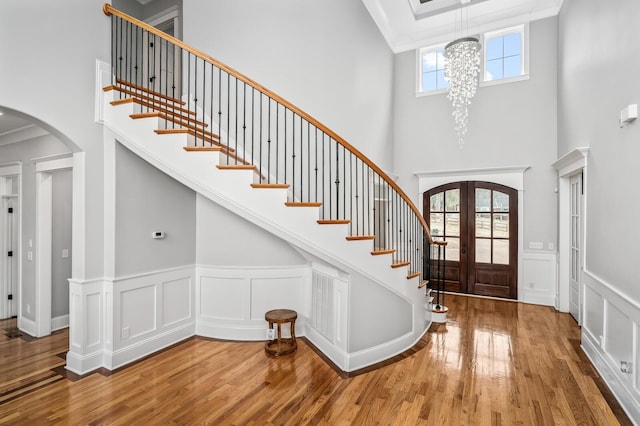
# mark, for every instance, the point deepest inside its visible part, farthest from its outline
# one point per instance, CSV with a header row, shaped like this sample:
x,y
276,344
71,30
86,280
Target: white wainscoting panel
x,y
138,311
223,298
328,323
177,304
539,281
86,325
610,336
232,301
150,311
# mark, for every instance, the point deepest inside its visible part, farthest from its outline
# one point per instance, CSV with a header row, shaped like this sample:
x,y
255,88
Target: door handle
x,y
463,250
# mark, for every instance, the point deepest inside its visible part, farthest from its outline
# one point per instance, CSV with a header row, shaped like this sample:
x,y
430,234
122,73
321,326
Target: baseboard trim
x,y
27,326
58,323
126,355
617,387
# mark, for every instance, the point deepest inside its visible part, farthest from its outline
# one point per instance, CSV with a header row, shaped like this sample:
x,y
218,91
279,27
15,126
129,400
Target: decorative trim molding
x,y
608,312
511,176
58,323
571,162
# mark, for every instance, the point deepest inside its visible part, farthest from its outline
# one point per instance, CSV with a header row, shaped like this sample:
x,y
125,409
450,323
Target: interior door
x,y
479,220
9,265
575,293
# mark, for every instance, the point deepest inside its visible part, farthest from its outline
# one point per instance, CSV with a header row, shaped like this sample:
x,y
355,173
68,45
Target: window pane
x,y
483,200
512,45
494,48
500,202
452,199
429,81
483,250
441,82
453,249
437,224
437,205
501,225
494,69
440,60
512,66
452,224
483,225
429,62
501,252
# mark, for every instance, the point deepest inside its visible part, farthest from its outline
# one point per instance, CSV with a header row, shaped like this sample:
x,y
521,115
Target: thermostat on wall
x,y
158,235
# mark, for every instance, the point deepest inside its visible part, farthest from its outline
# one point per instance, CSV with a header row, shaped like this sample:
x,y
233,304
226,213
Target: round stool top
x,y
281,315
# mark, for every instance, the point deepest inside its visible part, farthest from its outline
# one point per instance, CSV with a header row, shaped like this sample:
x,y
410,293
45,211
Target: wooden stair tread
x,y
203,148
360,237
302,204
148,91
192,133
413,275
236,166
189,124
379,252
270,185
139,95
423,283
154,104
400,264
333,221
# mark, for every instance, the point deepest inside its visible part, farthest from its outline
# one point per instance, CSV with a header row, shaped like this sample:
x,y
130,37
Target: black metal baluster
x,y
269,141
228,115
337,180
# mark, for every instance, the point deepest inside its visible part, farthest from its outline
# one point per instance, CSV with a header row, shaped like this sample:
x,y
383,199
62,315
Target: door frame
x,y
511,176
574,162
43,236
10,170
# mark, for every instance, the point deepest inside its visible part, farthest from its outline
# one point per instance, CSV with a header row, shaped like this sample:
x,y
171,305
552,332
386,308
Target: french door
x,y
479,221
575,293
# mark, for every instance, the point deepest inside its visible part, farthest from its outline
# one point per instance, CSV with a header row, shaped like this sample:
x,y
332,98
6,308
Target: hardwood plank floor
x,y
494,362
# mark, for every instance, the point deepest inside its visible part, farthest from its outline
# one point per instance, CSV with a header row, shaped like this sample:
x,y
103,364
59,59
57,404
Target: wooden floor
x,y
494,362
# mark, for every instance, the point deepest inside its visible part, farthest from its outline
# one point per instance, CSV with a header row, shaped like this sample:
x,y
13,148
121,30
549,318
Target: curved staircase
x,y
312,189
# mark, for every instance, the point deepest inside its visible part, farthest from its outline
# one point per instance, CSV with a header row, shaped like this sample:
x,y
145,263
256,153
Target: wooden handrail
x,y
109,10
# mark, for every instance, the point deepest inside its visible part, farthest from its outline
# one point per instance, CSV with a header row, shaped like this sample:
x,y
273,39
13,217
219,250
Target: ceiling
x,y
16,127
409,24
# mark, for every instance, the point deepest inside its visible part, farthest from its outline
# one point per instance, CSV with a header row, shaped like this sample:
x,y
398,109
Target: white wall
x,y
26,151
225,239
510,124
148,200
326,57
598,76
48,72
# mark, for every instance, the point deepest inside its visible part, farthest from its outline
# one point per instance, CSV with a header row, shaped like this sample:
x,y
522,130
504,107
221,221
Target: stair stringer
x,y
265,207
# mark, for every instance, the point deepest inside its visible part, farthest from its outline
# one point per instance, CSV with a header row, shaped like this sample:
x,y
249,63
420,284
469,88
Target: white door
x,y
575,288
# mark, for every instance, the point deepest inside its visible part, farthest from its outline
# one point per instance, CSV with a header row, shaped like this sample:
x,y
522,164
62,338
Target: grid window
x,y
432,70
503,56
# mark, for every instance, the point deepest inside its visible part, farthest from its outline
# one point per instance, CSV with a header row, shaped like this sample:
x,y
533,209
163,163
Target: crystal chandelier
x,y
461,69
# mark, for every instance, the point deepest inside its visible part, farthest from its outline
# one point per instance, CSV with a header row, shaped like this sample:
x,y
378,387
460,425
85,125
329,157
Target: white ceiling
x,y
409,24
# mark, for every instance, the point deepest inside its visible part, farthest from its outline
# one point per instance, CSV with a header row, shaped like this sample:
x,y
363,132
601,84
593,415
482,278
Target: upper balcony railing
x,y
220,107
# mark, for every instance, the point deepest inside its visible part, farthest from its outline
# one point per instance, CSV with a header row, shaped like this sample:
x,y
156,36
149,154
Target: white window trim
x,y
419,53
524,51
525,48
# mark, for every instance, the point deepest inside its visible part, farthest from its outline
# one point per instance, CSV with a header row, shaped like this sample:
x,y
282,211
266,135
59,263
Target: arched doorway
x,y
479,220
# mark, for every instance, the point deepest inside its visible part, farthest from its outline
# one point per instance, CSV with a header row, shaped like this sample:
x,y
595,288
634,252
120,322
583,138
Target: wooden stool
x,y
281,346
